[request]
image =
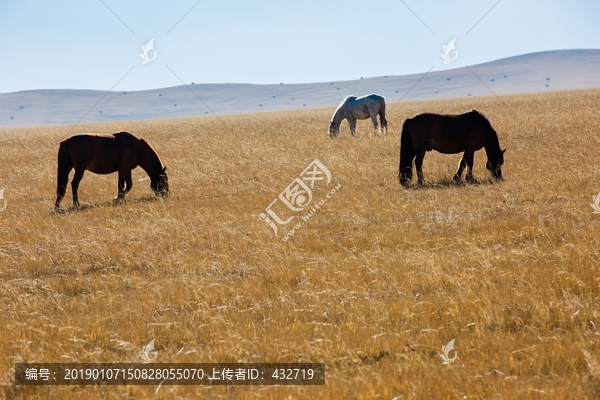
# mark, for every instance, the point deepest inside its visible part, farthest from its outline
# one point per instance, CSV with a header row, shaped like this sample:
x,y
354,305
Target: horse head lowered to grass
x,y
448,134
104,154
353,108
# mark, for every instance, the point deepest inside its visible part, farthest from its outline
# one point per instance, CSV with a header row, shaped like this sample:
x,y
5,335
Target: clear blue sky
x,y
74,44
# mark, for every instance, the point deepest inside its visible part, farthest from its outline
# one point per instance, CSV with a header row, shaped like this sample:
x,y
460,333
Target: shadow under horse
x,y
449,134
104,154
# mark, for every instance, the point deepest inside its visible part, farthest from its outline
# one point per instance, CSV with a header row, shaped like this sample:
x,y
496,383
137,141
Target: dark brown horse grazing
x,y
449,134
104,154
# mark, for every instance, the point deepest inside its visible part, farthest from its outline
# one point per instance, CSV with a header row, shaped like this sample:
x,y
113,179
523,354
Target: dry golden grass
x,y
375,283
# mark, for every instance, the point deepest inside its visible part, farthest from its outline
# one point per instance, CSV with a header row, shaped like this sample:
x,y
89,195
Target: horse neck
x,y
148,160
338,115
492,146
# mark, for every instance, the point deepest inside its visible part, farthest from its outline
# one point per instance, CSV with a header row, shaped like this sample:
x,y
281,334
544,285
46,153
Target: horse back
x,y
363,107
102,154
448,134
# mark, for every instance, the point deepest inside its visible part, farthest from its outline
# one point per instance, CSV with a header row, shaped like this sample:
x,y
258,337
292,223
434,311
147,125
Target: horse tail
x,y
382,115
64,167
407,153
64,161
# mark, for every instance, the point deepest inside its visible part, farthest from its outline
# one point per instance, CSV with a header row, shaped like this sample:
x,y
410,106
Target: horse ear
x,y
164,170
503,151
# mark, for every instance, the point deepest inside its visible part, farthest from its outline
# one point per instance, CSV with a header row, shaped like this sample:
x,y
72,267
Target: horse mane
x,y
342,102
150,149
492,142
339,107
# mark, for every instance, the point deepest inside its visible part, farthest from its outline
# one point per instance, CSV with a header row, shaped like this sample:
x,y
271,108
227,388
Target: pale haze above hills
x,y
529,73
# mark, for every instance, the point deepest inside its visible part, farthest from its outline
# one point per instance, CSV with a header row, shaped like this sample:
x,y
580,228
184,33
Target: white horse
x,y
353,108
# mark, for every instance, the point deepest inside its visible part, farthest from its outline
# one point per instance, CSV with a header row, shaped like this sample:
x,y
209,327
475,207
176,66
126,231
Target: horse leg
x,y
461,166
383,124
75,185
128,181
419,165
375,124
352,123
120,188
406,174
124,186
469,161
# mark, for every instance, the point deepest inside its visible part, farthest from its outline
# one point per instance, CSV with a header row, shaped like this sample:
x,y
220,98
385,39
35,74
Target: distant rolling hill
x,y
529,73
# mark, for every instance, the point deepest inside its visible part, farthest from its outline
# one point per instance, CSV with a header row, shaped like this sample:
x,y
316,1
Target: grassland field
x,y
373,284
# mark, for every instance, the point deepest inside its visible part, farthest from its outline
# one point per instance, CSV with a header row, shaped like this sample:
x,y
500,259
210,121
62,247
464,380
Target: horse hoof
x,y
59,210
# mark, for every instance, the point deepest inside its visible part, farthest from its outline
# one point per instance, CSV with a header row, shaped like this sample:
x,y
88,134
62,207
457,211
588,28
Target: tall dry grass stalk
x,y
373,285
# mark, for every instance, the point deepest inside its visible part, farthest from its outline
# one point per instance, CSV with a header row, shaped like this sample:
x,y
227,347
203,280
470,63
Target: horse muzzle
x,y
495,170
161,192
496,173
